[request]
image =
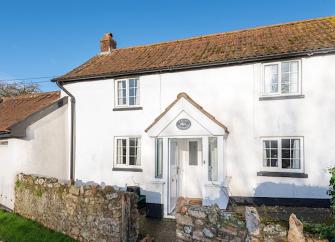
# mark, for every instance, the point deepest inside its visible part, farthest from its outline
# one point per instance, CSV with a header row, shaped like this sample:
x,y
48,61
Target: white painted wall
x,y
44,151
231,94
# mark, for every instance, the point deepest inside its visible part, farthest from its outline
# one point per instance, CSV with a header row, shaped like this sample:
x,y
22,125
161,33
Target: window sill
x,y
282,174
127,108
127,169
281,97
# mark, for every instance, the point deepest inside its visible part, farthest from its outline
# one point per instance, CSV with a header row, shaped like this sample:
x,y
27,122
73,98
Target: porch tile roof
x,y
16,109
200,108
314,35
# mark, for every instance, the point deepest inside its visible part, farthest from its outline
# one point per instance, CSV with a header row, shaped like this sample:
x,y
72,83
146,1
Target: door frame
x,y
189,138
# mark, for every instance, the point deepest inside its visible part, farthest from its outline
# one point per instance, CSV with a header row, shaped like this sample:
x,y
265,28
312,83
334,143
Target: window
x,y
193,153
127,92
128,151
159,158
281,78
212,159
282,153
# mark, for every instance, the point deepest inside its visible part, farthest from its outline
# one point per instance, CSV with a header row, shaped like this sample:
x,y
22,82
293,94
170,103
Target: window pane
x,y
289,77
285,163
133,92
285,143
270,153
274,162
193,153
121,156
291,153
285,67
159,159
212,159
122,92
271,78
134,151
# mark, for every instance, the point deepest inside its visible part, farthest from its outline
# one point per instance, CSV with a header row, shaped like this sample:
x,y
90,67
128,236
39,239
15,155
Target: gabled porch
x,y
189,154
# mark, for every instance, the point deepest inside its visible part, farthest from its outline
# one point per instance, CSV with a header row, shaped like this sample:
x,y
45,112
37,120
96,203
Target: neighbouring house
x,y
244,116
33,139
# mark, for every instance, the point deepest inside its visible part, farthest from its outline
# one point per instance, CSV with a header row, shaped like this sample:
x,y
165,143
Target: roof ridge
x,y
228,32
29,95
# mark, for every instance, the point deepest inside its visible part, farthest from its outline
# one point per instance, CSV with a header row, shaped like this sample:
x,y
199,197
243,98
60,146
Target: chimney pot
x,y
107,43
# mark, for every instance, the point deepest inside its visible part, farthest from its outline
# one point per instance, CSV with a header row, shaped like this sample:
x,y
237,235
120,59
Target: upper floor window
x,y
282,78
282,153
127,92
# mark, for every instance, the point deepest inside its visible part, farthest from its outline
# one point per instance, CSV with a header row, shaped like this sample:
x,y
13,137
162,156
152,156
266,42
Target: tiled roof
x,y
16,109
230,47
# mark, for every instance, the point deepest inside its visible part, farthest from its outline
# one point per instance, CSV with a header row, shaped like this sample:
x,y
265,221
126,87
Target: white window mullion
x,y
279,78
279,154
127,152
127,92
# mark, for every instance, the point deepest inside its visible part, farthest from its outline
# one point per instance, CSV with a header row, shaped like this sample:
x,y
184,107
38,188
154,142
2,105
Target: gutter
x,y
196,66
73,140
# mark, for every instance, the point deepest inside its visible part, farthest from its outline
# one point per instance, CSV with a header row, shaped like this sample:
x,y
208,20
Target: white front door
x,y
173,177
192,169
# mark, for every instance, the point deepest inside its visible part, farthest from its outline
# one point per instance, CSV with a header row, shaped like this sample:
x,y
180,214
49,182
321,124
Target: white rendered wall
x,y
231,94
44,151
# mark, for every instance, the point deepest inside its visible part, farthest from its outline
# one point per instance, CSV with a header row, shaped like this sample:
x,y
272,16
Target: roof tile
x,y
295,37
16,109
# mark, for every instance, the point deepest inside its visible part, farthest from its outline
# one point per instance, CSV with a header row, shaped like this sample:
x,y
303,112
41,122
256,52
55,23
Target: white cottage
x,y
244,116
33,139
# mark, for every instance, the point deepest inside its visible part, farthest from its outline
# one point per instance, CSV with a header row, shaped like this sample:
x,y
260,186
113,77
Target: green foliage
x,y
326,231
18,184
39,193
322,231
15,228
331,190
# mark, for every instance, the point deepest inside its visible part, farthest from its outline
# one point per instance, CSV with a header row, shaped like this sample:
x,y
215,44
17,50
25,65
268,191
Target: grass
x,y
14,228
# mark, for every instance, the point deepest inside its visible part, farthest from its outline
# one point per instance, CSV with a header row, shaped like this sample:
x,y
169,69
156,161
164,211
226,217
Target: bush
x,y
326,231
331,190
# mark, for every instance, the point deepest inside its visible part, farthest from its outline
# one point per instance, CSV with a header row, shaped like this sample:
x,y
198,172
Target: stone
x,y
147,238
181,202
274,230
196,213
91,217
183,220
74,190
187,229
295,232
198,235
252,221
208,233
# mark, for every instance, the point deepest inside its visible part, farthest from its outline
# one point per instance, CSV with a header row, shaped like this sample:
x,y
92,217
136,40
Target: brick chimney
x,y
107,43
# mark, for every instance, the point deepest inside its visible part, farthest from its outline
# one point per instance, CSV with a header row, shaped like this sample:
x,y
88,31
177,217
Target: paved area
x,y
162,230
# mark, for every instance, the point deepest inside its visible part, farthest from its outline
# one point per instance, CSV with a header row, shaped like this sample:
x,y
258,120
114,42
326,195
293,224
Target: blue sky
x,y
48,38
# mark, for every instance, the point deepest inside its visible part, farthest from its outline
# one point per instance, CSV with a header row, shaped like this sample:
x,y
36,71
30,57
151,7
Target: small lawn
x,y
14,228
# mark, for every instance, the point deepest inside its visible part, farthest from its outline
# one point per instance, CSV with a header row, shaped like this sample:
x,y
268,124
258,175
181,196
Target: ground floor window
x,y
159,158
282,153
128,151
212,159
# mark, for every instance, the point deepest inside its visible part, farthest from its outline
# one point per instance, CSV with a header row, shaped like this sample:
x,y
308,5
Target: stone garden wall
x,y
85,213
207,223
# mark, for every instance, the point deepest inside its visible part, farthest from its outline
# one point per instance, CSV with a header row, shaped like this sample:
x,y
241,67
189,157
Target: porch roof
x,y
195,104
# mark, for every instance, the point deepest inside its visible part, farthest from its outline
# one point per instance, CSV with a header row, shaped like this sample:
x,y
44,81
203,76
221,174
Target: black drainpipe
x,y
73,118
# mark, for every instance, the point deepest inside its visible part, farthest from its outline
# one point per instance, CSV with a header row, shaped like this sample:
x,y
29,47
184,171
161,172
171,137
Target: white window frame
x,y
279,167
279,93
116,93
127,152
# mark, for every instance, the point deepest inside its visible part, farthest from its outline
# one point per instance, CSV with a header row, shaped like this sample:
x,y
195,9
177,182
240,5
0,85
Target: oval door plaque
x,y
183,124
